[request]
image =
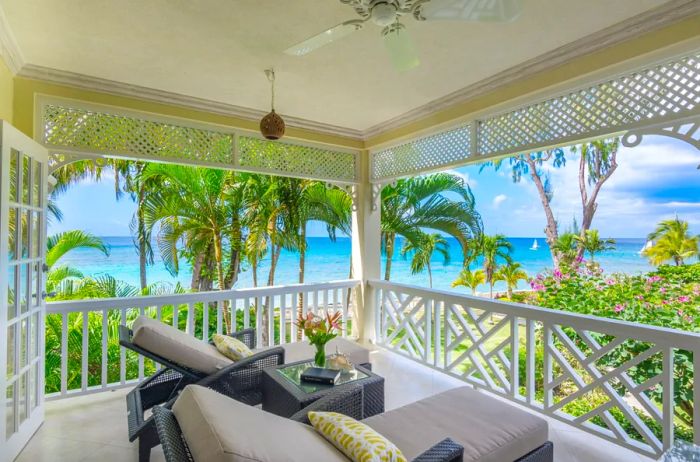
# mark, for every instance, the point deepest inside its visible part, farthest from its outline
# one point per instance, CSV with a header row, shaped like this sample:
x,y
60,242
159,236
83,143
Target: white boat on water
x,y
647,246
535,245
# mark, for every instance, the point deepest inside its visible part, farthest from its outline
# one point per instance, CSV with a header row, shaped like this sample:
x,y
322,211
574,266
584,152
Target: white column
x,y
366,251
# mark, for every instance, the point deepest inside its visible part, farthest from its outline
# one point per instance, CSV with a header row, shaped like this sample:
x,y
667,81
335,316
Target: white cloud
x,y
653,182
498,200
468,180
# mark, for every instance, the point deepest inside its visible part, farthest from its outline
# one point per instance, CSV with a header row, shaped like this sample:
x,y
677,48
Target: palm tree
x,y
591,243
494,249
190,205
672,242
59,278
470,279
566,248
511,273
423,252
415,204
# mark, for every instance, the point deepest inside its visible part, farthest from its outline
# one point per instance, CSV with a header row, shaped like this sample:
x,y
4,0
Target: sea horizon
x,y
328,260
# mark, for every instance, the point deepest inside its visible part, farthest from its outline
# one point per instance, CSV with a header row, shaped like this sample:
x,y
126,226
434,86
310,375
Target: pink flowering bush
x,y
668,298
649,299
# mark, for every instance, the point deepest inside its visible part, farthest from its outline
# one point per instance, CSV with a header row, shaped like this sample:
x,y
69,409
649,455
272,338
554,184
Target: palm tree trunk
x,y
254,267
276,250
491,289
218,256
143,245
430,276
234,266
389,255
302,269
197,271
510,291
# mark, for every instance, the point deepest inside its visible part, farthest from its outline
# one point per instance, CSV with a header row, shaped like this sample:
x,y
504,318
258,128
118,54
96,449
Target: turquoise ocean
x,y
327,260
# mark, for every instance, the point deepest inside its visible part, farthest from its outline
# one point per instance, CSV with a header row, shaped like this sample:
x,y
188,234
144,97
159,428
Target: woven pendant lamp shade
x,y
272,126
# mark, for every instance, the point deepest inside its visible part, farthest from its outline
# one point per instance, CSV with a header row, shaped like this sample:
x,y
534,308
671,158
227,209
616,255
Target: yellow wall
x,y
26,91
6,92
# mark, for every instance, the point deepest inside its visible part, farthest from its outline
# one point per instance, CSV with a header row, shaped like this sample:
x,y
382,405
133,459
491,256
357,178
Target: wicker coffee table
x,y
285,394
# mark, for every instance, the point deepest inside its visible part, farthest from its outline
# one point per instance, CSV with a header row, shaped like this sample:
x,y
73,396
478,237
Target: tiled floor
x,y
93,428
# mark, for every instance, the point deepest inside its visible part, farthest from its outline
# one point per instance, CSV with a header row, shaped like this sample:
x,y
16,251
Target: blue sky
x,y
655,180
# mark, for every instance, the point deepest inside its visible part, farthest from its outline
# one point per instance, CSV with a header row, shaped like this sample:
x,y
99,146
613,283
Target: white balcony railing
x,y
611,378
82,346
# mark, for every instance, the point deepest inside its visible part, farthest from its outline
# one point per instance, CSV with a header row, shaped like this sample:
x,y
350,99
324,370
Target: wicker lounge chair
x,y
347,401
239,380
513,435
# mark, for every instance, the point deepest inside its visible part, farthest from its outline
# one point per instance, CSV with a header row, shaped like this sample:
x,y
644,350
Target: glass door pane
x,y
23,171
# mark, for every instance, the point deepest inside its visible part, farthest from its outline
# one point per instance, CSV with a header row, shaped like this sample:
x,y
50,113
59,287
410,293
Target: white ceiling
x,y
218,49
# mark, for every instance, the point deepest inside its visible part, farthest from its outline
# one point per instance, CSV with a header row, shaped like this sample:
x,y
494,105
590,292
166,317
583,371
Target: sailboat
x,y
535,245
647,246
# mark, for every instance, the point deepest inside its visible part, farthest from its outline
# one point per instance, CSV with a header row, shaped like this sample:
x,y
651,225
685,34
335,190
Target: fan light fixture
x,y
272,125
389,15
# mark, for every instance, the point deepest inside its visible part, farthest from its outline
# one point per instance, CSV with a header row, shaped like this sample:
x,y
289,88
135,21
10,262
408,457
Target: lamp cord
x,y
271,77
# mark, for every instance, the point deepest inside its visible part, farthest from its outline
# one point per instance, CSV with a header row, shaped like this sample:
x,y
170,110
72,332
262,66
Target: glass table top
x,y
292,374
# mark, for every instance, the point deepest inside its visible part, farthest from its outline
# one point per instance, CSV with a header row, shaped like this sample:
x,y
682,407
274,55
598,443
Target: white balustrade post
x,y
696,396
366,250
668,399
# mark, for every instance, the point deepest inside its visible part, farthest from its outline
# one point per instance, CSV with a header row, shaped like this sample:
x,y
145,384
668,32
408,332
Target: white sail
x,y
535,245
647,246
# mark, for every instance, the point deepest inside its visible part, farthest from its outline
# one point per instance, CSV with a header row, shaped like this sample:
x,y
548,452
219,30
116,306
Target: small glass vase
x,y
320,357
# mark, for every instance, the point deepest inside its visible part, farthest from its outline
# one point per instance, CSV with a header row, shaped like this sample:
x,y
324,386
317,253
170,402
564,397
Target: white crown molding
x,y
667,14
31,71
664,15
9,51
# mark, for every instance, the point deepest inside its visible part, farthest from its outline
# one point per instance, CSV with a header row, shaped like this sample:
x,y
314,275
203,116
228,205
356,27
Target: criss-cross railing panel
x,y
629,383
478,347
406,323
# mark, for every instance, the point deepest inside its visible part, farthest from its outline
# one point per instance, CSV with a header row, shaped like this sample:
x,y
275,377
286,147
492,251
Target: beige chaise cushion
x,y
177,346
220,429
490,430
300,351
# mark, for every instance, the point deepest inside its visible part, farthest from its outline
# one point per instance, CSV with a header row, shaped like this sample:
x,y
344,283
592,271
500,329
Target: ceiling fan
x,y
387,14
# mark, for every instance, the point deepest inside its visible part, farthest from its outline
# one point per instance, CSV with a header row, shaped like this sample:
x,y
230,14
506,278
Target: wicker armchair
x,y
240,381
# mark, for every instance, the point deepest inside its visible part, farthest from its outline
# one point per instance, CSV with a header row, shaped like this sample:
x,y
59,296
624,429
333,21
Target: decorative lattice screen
x,y
658,94
96,132
423,154
611,106
81,129
291,159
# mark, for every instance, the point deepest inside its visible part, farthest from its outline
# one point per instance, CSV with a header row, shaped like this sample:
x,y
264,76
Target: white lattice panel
x,y
81,129
666,93
654,93
295,160
423,154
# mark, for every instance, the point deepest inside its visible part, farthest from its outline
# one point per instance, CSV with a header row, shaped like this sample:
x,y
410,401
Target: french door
x,y
23,201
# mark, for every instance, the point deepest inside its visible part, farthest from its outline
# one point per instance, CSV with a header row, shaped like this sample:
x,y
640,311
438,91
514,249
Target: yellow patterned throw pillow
x,y
355,439
231,347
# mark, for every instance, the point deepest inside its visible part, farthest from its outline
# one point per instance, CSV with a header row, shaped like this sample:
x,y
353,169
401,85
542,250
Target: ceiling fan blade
x,y
472,10
401,49
324,38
